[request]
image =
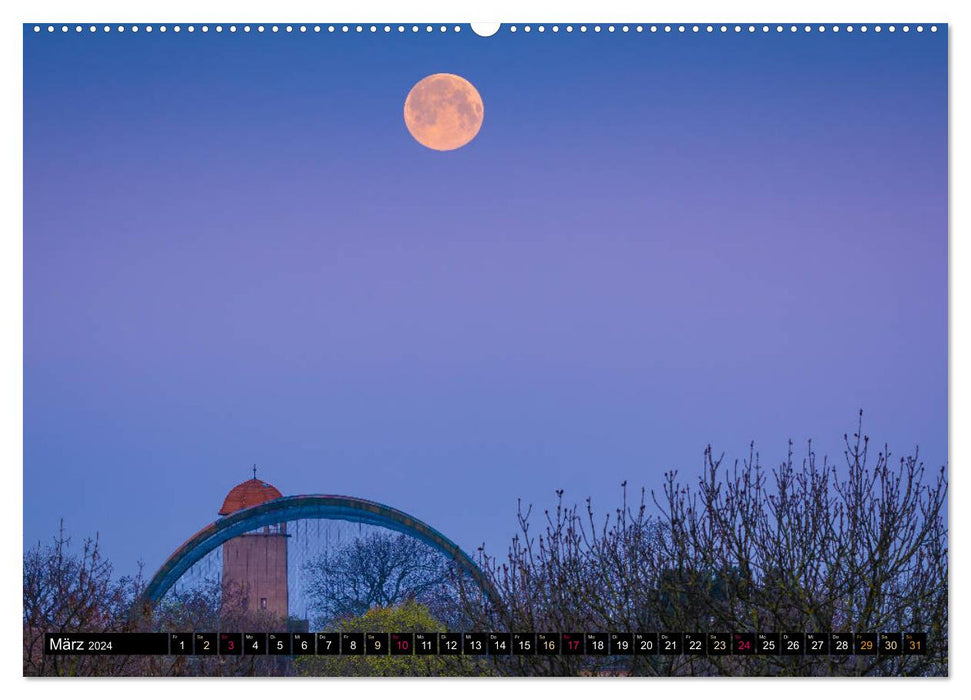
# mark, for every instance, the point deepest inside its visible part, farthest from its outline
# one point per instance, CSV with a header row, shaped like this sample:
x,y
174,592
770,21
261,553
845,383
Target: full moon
x,y
443,111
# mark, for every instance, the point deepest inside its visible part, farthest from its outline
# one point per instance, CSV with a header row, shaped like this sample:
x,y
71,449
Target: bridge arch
x,y
323,507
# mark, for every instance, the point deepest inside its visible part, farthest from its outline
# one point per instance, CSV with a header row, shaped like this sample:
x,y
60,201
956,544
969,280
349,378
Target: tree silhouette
x,y
815,547
377,570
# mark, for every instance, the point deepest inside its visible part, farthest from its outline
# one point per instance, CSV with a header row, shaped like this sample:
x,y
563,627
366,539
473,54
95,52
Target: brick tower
x,y
255,563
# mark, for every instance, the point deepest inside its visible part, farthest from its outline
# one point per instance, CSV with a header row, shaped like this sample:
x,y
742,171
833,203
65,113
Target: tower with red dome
x,y
255,563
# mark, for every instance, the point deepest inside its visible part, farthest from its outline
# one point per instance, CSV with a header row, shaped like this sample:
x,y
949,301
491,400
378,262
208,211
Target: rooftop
x,y
251,492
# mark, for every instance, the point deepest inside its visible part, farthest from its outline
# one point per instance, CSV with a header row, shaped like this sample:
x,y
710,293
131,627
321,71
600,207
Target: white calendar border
x,y
450,11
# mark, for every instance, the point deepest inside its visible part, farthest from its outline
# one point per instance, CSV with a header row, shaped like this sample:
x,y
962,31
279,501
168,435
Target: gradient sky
x,y
234,252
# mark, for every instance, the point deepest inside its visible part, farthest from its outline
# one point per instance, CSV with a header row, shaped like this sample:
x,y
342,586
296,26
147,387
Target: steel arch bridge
x,y
308,507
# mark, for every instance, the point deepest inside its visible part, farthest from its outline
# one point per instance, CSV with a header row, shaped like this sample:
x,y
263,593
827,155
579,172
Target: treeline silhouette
x,y
808,545
805,546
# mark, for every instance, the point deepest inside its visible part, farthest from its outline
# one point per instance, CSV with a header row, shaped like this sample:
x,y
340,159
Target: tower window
x,y
262,603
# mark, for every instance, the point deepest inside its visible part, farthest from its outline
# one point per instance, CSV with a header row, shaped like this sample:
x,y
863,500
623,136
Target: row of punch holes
x,y
512,28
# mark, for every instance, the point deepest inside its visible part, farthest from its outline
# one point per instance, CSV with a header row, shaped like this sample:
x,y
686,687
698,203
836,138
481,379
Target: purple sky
x,y
235,253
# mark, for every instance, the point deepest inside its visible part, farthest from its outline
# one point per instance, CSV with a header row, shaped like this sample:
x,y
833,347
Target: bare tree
x,y
378,570
814,547
71,591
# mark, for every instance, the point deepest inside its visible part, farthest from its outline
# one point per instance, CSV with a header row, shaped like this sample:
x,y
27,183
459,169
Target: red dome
x,y
250,493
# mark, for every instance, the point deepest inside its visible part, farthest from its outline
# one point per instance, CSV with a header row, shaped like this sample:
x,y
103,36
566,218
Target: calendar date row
x,y
491,643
